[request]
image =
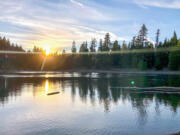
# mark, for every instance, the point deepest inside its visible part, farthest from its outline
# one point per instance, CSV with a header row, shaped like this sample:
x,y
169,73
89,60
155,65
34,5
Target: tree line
x,y
5,44
139,53
138,42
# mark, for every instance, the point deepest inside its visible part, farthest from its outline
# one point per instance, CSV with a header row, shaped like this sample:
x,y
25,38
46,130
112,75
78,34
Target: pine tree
x,y
5,44
124,45
157,38
100,48
174,40
107,43
165,44
86,46
143,33
141,39
116,46
133,43
73,49
35,49
129,45
93,45
83,47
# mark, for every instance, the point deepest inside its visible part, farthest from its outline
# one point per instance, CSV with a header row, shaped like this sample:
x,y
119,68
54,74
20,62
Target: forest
x,y
139,53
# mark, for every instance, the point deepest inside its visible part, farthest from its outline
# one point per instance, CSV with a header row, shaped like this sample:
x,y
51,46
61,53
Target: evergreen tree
x,y
107,43
141,39
93,45
5,44
143,33
100,48
157,38
174,40
86,46
36,49
165,44
73,49
116,46
129,45
143,60
124,46
83,47
133,43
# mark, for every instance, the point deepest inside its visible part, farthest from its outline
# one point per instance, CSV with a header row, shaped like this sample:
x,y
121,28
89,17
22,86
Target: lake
x,y
89,104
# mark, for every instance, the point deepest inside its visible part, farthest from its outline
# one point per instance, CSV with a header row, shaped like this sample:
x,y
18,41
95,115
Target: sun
x,y
47,50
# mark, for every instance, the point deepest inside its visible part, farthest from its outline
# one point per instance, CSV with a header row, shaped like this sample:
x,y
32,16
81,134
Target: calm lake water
x,y
88,104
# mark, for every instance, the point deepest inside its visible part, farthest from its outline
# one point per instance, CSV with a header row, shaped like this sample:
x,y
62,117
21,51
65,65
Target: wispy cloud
x,y
56,24
59,22
77,3
159,3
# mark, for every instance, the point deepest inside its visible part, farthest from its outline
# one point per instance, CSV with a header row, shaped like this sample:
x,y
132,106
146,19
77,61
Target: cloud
x,y
159,3
77,3
57,24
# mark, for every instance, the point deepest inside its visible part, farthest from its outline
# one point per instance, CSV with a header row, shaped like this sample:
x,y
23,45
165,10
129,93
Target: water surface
x,y
88,104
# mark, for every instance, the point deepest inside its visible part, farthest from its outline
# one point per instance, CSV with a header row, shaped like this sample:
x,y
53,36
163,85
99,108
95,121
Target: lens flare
x,y
47,50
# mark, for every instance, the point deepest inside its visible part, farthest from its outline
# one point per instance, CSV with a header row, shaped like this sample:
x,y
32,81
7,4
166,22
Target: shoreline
x,y
111,71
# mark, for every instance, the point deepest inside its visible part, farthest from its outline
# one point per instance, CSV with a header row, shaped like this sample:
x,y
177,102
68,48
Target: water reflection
x,y
99,90
46,87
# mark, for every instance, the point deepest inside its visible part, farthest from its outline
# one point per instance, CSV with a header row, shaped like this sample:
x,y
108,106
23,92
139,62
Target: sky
x,y
57,23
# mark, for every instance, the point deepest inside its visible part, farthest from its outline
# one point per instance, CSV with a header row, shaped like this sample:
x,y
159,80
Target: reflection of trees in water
x,y
141,102
101,89
9,88
103,92
73,89
14,87
172,100
92,92
83,88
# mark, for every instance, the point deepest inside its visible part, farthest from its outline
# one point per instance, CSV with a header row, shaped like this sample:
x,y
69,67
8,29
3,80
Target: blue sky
x,y
58,22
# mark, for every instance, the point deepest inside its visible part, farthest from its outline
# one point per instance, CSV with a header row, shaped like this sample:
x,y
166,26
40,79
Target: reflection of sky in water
x,y
87,106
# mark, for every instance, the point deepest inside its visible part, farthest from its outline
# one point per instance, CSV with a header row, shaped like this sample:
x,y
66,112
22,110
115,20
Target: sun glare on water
x,y
47,50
